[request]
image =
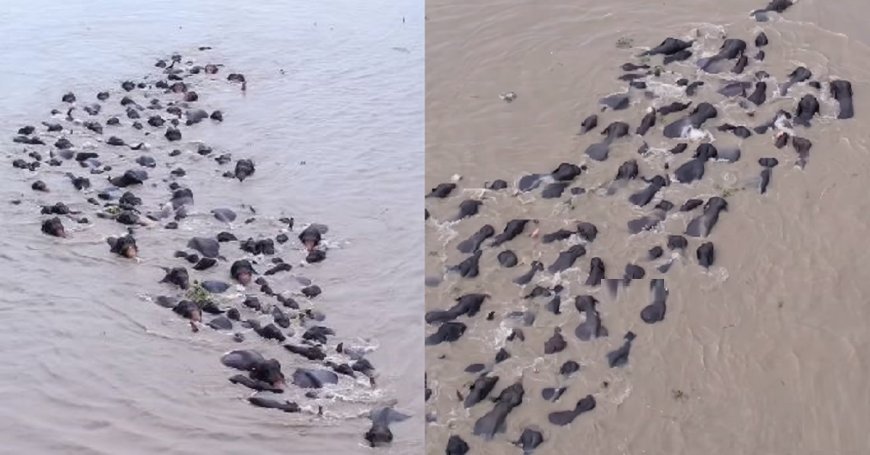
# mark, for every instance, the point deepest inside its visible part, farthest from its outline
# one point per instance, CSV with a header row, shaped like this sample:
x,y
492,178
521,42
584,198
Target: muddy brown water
x,y
767,352
332,118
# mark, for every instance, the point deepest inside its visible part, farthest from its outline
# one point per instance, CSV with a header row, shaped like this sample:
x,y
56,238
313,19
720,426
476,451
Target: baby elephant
x,y
123,246
242,271
53,227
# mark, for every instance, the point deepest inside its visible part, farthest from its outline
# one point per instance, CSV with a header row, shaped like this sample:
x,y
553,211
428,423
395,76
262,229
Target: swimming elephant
x,y
841,90
655,311
244,169
214,286
562,418
800,74
256,365
310,237
208,247
643,197
681,127
130,177
467,208
447,332
599,151
242,271
512,229
619,356
596,272
379,434
534,268
474,242
204,263
242,360
566,259
480,389
494,421
669,46
123,246
777,6
260,386
54,227
221,323
173,134
442,190
529,440
468,304
268,371
807,108
286,406
269,331
188,310
156,121
702,225
262,246
456,446
177,276
181,197
315,256
195,116
57,209
591,327
309,378
309,352
225,215
731,48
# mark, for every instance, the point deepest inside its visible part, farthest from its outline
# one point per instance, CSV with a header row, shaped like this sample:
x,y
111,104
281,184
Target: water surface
x,y
766,352
332,117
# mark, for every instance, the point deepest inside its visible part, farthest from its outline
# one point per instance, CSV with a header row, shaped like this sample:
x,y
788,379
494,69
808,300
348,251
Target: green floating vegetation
x,y
731,191
198,295
679,395
728,192
624,43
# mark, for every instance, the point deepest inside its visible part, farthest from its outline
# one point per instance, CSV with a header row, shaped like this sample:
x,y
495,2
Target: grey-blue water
x,y
333,118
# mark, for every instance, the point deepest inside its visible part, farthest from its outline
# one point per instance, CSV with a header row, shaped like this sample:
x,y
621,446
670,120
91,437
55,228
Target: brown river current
x,y
333,119
765,352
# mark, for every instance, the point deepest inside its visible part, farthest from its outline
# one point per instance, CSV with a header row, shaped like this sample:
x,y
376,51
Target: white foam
x,y
698,135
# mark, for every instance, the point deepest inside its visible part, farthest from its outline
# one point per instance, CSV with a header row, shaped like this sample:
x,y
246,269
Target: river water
x,y
767,351
332,117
